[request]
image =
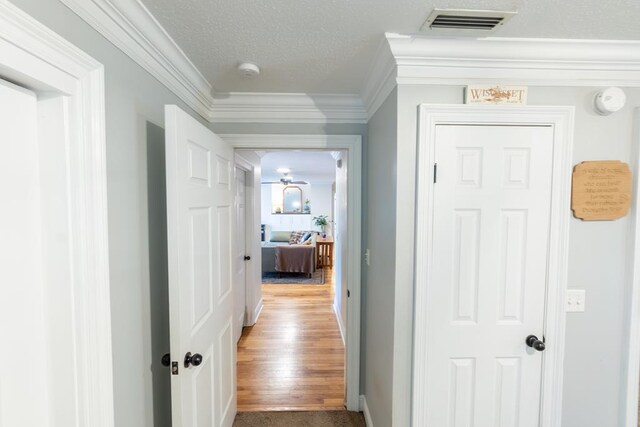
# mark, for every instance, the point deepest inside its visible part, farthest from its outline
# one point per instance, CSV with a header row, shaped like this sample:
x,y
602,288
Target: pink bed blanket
x,y
295,259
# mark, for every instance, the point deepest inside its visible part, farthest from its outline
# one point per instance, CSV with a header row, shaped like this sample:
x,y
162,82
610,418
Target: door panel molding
x,y
561,120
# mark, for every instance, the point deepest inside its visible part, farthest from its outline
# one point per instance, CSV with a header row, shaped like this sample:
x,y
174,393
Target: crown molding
x,y
129,25
532,62
248,107
419,60
380,80
400,59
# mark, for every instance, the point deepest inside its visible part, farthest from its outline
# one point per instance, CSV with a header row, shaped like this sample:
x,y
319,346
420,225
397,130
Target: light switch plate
x,y
575,300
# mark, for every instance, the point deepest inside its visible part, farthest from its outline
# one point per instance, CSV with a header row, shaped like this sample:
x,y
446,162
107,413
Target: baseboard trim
x,y
365,410
340,323
256,312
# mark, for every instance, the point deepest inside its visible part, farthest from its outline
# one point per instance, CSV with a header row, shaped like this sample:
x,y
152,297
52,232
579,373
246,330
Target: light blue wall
x,y
378,307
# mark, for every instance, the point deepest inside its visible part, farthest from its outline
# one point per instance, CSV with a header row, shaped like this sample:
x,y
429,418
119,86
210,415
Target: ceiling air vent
x,y
462,21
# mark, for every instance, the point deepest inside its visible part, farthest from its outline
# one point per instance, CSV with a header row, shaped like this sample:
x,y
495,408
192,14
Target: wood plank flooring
x,y
293,358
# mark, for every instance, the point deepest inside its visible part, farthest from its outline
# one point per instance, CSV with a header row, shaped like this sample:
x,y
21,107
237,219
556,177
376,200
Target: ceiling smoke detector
x,y
463,21
248,70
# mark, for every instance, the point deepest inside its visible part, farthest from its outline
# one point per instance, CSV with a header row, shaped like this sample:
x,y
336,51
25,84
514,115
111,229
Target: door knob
x,y
533,342
195,359
166,360
247,258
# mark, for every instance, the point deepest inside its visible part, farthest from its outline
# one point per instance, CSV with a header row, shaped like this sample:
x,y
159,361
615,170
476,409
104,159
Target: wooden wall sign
x,y
601,190
485,94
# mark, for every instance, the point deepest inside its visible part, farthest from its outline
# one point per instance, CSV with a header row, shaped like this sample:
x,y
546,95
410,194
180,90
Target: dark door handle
x,y
247,258
166,360
195,359
533,342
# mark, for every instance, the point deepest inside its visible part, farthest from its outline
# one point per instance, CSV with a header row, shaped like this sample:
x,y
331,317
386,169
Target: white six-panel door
x,y
492,200
200,218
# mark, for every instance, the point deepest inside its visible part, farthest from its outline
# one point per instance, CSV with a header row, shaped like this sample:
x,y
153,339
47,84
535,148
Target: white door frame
x,y
353,145
561,119
79,314
252,308
630,402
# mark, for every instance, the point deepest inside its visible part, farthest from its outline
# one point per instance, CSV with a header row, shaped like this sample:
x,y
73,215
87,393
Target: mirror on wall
x,y
292,197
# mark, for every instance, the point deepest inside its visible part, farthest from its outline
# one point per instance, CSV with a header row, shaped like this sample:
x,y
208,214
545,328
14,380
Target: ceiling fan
x,y
286,180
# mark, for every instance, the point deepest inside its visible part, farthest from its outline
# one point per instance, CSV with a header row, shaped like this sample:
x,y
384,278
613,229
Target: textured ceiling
x,y
325,46
310,166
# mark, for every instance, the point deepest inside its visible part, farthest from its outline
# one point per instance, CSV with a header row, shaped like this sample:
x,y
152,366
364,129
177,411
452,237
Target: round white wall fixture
x,y
248,70
609,100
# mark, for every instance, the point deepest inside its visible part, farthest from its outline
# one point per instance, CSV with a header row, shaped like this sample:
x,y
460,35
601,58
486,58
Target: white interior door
x,y
199,223
492,203
240,253
23,391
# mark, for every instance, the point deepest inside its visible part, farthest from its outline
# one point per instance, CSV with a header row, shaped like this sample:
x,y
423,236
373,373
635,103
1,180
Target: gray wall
x,y
594,371
137,224
378,307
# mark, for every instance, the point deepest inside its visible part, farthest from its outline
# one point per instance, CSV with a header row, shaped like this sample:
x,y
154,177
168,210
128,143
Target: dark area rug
x,y
300,419
317,278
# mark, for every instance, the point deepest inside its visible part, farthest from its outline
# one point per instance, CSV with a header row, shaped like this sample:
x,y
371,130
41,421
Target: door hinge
x,y
435,173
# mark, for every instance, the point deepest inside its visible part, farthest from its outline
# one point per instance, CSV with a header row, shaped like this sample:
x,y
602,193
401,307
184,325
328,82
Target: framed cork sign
x,y
601,190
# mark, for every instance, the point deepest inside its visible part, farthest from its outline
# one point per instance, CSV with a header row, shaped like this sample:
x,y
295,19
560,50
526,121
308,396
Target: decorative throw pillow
x,y
280,236
308,242
295,237
304,238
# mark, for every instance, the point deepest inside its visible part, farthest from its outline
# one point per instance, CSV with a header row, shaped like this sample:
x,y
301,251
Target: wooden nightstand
x,y
324,249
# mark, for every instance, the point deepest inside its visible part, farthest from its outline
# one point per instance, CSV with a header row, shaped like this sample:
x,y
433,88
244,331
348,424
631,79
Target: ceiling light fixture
x,y
283,170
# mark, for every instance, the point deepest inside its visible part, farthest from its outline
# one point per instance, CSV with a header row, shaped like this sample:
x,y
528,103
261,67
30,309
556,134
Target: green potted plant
x,y
322,222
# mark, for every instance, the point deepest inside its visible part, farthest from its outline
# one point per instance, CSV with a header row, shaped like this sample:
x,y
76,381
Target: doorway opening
x,y
202,203
293,356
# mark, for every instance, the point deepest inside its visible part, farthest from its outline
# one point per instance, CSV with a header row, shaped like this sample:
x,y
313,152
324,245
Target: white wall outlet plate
x,y
575,300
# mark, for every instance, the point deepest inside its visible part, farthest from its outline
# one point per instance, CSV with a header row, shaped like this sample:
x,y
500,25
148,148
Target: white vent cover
x,y
461,21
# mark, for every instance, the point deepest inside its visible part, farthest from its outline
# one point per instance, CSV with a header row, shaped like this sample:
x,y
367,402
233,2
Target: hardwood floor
x,y
293,358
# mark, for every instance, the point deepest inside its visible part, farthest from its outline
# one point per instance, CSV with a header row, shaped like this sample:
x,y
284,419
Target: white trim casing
x,y
353,144
32,53
561,119
247,107
630,402
130,26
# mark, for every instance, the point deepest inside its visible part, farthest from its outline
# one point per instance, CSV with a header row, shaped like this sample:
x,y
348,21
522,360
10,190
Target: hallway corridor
x,y
293,358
